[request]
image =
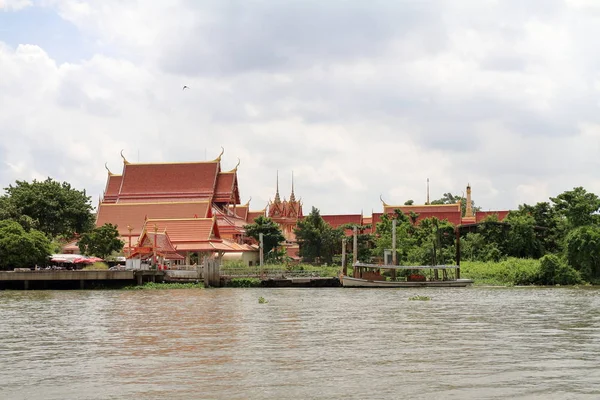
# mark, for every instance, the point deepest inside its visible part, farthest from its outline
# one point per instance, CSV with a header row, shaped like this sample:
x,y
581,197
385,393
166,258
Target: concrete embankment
x,y
80,279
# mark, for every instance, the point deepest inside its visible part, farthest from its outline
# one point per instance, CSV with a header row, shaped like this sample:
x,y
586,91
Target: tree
x,y
522,240
449,198
409,202
318,241
272,235
101,242
20,248
549,227
55,208
583,250
578,207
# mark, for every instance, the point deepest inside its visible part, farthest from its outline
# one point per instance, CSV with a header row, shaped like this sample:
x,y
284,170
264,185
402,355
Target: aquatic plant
x,y
261,300
421,298
244,282
166,285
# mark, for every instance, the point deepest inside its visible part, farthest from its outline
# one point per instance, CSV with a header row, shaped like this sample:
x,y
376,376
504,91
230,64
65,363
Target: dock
x,y
76,279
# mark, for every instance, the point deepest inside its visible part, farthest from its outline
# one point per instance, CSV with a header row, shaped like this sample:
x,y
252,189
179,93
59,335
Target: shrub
x,y
553,271
244,282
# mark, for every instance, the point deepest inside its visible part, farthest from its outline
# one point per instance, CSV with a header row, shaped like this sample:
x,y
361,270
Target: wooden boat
x,y
369,275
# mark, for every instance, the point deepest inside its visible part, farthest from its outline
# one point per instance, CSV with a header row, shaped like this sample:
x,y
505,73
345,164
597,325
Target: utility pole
x,y
394,257
261,247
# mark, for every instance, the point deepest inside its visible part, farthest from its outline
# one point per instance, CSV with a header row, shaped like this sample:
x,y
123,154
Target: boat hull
x,y
348,281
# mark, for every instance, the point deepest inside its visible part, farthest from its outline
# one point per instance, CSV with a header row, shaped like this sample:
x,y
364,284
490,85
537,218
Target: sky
x,y
358,99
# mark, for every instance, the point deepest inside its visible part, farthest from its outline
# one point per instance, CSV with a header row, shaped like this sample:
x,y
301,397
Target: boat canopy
x,y
390,266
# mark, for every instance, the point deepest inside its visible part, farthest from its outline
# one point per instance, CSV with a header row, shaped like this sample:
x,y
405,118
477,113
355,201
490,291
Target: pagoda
x,y
286,213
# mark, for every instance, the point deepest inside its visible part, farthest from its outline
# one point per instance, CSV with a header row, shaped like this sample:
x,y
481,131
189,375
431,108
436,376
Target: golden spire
x,y
123,157
106,166
277,198
292,196
218,159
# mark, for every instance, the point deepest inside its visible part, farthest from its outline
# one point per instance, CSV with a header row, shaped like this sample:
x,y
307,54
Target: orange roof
x,y
197,178
338,220
423,208
163,242
187,229
134,214
481,215
240,211
113,184
227,189
252,215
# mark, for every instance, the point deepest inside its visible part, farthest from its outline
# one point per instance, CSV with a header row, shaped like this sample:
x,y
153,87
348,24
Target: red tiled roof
x,y
187,229
252,215
113,184
163,244
134,214
240,211
196,178
338,220
226,188
425,208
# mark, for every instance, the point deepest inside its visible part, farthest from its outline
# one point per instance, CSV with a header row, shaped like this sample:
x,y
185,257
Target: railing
x,y
265,273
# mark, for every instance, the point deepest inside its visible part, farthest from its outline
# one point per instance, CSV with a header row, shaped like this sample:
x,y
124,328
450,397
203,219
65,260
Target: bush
x,y
244,282
553,271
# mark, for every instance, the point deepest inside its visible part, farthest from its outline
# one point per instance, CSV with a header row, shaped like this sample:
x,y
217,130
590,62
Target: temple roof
x,y
423,208
135,214
226,190
113,184
187,229
197,178
338,220
252,215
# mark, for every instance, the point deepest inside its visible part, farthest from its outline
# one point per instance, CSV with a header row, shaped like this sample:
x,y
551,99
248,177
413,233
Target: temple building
x,y
286,214
196,204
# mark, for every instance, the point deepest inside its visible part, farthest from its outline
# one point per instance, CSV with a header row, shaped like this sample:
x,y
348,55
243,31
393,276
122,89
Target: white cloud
x,y
369,100
14,5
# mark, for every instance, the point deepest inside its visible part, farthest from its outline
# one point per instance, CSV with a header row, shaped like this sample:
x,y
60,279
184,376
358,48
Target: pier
x,y
78,279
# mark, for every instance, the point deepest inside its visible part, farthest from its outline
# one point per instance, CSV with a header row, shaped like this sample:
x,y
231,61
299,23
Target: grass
x,y
171,285
510,272
96,266
244,282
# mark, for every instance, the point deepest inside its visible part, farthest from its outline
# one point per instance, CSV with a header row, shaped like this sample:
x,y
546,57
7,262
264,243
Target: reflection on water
x,y
474,343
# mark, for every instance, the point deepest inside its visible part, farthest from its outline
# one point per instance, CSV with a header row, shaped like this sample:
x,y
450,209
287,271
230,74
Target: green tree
x,y
553,271
364,241
272,236
549,227
318,241
55,208
404,239
449,198
20,248
409,202
522,240
578,207
101,241
583,250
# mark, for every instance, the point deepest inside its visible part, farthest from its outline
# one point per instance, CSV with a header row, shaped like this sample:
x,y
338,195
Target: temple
x,y
286,214
195,206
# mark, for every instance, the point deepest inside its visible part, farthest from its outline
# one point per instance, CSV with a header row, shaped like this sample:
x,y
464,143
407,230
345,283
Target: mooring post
x,y
457,253
355,250
344,263
26,285
81,284
394,256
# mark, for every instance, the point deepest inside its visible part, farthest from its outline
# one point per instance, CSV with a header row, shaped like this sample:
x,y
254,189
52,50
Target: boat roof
x,y
391,266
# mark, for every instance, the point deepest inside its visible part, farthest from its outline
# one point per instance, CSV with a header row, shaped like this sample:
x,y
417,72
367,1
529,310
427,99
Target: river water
x,y
330,343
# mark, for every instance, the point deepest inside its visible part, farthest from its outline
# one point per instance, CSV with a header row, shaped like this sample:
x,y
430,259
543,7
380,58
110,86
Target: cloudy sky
x,y
358,98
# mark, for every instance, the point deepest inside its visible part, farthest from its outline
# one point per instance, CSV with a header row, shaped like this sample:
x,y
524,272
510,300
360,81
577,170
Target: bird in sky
x,y
185,87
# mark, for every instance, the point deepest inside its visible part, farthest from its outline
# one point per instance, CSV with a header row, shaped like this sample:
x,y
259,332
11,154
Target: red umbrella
x,y
82,260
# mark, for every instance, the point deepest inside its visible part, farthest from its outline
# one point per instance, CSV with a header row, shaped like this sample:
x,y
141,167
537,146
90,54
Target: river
x,y
330,343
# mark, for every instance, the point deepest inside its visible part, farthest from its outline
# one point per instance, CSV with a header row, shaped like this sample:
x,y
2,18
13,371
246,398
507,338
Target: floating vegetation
x,y
244,282
421,298
261,300
170,285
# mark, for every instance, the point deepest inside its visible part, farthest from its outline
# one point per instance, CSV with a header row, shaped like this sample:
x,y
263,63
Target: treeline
x,y
37,218
564,233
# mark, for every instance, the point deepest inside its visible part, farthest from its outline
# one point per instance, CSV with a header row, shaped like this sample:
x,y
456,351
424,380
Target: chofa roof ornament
x,y
218,159
383,202
106,166
123,157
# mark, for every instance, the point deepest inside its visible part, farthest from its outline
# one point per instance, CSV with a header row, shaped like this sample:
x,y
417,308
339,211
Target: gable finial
x,y
106,166
218,159
248,203
237,165
383,202
123,157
